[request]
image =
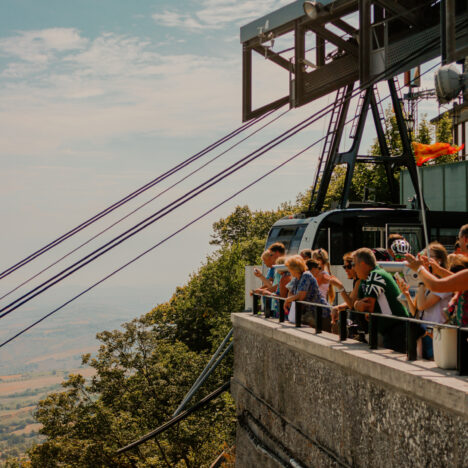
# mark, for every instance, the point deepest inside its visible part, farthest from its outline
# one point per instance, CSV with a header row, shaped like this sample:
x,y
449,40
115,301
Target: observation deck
x,y
310,400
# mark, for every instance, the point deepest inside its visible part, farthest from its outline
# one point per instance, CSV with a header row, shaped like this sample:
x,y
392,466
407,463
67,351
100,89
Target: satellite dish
x,y
449,82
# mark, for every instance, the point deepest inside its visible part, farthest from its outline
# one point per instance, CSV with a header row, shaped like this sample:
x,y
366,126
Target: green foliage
x,y
145,369
443,129
443,132
244,224
425,132
373,177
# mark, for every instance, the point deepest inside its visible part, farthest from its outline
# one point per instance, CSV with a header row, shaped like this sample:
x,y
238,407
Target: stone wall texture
x,y
320,403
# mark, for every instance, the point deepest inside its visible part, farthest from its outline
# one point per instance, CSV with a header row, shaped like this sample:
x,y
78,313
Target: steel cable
x,y
130,196
159,214
182,228
144,204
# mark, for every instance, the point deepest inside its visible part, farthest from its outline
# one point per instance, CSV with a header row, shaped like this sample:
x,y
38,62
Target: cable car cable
x,y
172,235
145,204
62,275
130,196
193,221
159,214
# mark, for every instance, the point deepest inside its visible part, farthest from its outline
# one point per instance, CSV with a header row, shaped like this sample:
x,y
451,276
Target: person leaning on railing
x,y
304,287
378,293
358,320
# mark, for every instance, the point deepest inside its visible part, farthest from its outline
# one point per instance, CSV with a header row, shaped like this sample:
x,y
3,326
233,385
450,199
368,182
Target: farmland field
x,y
19,395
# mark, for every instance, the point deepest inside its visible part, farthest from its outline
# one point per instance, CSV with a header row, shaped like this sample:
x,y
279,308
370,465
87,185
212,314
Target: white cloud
x,y
177,20
216,14
41,45
112,87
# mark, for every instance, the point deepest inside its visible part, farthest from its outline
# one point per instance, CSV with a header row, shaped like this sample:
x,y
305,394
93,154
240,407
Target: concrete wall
x,y
318,402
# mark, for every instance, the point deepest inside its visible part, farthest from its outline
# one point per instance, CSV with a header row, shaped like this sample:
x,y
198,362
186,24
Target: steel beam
x,y
365,40
407,156
399,10
331,163
337,40
299,56
450,30
350,156
268,107
347,28
319,51
246,83
274,57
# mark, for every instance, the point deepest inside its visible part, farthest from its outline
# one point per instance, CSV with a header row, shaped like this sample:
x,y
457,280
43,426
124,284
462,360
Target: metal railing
x,y
412,326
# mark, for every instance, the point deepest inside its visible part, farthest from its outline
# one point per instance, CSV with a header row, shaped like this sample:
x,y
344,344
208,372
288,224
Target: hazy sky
x,y
99,97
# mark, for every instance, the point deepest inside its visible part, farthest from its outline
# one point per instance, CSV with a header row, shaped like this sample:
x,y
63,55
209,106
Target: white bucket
x,y
251,282
445,347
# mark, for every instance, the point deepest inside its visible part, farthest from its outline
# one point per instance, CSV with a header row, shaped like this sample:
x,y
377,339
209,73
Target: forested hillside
x,y
144,369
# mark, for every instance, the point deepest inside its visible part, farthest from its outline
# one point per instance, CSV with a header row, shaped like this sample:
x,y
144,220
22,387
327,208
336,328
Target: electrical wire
x,y
186,225
132,195
144,204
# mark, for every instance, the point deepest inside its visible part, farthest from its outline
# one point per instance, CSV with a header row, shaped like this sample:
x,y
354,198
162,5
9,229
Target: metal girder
x,y
381,50
399,10
350,156
450,43
331,162
274,57
344,26
299,56
337,40
365,40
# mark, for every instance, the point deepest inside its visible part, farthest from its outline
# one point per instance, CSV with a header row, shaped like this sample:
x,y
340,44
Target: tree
x,y
244,224
145,369
444,134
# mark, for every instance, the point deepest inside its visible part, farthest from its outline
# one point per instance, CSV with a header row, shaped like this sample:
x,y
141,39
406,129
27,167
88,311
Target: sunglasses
x,y
348,266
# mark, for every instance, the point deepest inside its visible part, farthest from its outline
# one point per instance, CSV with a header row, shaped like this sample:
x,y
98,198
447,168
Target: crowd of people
x,y
441,295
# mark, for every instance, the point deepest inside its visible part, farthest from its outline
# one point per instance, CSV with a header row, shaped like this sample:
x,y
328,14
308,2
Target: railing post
x,y
255,305
343,322
411,338
281,310
318,320
268,307
462,357
373,332
299,314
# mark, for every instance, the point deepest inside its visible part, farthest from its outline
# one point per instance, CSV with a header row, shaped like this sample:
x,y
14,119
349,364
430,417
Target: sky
x,y
99,97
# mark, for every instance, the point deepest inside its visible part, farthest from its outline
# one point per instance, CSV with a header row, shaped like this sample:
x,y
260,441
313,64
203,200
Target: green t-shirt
x,y
382,287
